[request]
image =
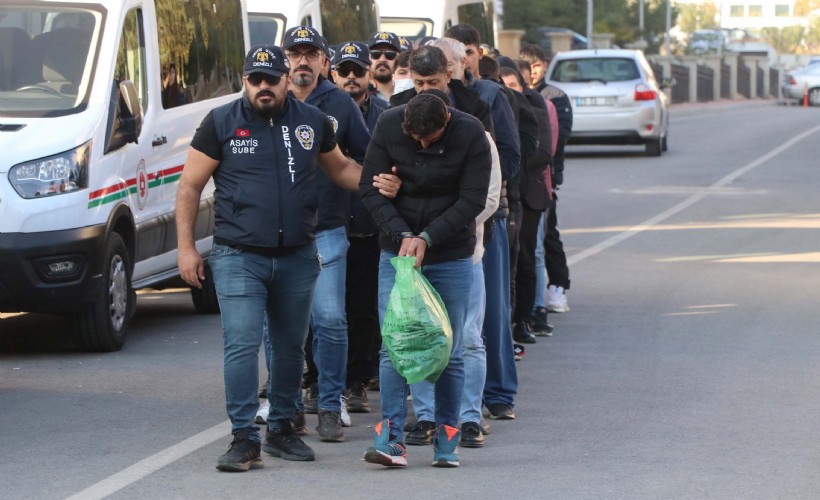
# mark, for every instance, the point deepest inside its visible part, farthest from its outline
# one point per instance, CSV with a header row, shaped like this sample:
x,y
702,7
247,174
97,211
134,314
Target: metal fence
x,y
744,79
680,91
706,83
774,82
725,81
658,70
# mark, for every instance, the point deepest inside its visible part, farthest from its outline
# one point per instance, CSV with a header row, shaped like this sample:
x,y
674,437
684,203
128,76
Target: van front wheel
x,y
101,326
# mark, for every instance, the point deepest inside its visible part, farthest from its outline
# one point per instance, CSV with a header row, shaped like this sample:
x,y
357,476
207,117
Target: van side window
x,y
201,49
130,65
131,56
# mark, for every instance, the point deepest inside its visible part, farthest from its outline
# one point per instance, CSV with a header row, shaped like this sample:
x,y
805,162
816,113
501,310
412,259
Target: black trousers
x,y
525,273
362,306
554,257
513,228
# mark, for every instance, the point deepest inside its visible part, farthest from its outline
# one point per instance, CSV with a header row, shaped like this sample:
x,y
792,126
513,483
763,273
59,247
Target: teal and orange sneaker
x,y
445,446
387,450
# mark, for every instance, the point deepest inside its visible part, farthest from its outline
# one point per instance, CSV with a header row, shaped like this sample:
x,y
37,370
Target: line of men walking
x,y
347,171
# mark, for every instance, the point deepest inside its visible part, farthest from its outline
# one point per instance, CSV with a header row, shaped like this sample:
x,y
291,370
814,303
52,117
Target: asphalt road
x,y
688,367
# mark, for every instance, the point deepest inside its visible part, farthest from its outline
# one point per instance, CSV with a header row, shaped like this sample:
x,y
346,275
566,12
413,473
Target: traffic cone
x,y
806,96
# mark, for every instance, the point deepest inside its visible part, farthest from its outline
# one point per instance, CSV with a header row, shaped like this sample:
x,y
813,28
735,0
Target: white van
x,y
420,18
268,20
99,100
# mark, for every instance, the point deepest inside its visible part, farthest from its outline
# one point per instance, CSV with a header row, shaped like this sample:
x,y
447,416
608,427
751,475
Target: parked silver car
x,y
615,98
803,80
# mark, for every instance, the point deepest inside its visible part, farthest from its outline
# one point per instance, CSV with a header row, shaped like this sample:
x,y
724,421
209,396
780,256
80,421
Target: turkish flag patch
x,y
243,132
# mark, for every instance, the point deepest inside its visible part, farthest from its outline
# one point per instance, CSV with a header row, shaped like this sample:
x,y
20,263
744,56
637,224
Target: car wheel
x,y
653,147
205,300
102,325
814,97
664,146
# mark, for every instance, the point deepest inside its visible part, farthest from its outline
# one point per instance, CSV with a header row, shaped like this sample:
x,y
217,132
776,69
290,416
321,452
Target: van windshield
x,y
47,54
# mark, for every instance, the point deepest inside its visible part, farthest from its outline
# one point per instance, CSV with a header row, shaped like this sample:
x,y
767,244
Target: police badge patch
x,y
335,123
305,136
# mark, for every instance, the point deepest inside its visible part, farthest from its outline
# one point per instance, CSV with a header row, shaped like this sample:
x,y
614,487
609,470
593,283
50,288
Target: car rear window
x,y
604,69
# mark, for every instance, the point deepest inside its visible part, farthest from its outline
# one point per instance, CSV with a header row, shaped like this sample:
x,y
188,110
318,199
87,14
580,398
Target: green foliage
x,y
784,40
619,17
695,17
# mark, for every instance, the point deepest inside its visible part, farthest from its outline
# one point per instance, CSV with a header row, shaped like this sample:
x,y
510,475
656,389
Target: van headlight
x,y
62,173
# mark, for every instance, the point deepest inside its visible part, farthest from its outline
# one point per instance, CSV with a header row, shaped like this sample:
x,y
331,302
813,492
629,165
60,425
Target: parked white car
x,y
615,98
798,82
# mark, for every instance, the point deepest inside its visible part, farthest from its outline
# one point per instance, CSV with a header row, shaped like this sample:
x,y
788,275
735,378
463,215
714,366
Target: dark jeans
x,y
554,256
362,304
525,273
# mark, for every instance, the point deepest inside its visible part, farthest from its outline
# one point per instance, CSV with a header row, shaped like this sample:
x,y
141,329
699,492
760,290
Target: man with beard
x,y
262,151
384,48
305,50
352,75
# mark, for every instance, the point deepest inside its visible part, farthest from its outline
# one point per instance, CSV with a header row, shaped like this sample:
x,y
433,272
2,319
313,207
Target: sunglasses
x,y
389,54
255,79
357,70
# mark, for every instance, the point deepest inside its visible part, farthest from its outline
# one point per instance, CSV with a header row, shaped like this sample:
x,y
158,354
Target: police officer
x,y
352,75
262,151
384,48
305,49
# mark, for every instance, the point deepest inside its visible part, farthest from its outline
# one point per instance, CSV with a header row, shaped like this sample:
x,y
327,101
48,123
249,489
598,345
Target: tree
x,y
784,40
694,17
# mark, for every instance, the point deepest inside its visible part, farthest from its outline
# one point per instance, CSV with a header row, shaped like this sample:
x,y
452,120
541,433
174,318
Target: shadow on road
x,y
51,333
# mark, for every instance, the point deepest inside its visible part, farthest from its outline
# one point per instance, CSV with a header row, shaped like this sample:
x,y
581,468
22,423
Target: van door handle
x,y
159,141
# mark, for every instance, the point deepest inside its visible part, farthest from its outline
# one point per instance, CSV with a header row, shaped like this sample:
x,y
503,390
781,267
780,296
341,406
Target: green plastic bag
x,y
416,329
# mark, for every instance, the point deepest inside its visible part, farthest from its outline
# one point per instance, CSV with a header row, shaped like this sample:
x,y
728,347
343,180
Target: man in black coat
x,y
443,158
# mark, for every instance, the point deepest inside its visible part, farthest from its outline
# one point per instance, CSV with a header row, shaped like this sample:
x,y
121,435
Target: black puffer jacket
x,y
444,187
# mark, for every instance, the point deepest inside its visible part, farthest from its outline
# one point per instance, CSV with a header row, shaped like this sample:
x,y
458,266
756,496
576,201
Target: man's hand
x,y
388,184
191,267
413,247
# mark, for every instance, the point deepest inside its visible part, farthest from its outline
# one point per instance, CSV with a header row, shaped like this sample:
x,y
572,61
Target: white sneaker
x,y
262,414
345,415
558,300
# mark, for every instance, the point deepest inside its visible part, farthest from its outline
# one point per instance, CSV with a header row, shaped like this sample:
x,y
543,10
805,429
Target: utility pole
x,y
667,45
589,24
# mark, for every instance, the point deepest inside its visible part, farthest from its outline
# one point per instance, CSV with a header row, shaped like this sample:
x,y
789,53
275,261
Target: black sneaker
x,y
422,433
522,333
330,426
311,399
471,435
540,326
501,411
299,424
286,444
242,455
357,399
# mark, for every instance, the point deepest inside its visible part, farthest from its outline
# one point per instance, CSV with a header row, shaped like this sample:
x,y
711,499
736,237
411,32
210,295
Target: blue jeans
x,y
475,360
451,280
248,286
328,318
540,270
501,384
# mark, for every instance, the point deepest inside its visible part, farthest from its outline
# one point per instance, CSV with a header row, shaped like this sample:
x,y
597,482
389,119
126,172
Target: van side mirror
x,y
131,117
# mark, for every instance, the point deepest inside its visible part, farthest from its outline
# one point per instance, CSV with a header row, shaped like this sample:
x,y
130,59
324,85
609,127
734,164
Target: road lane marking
x,y
680,207
139,470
